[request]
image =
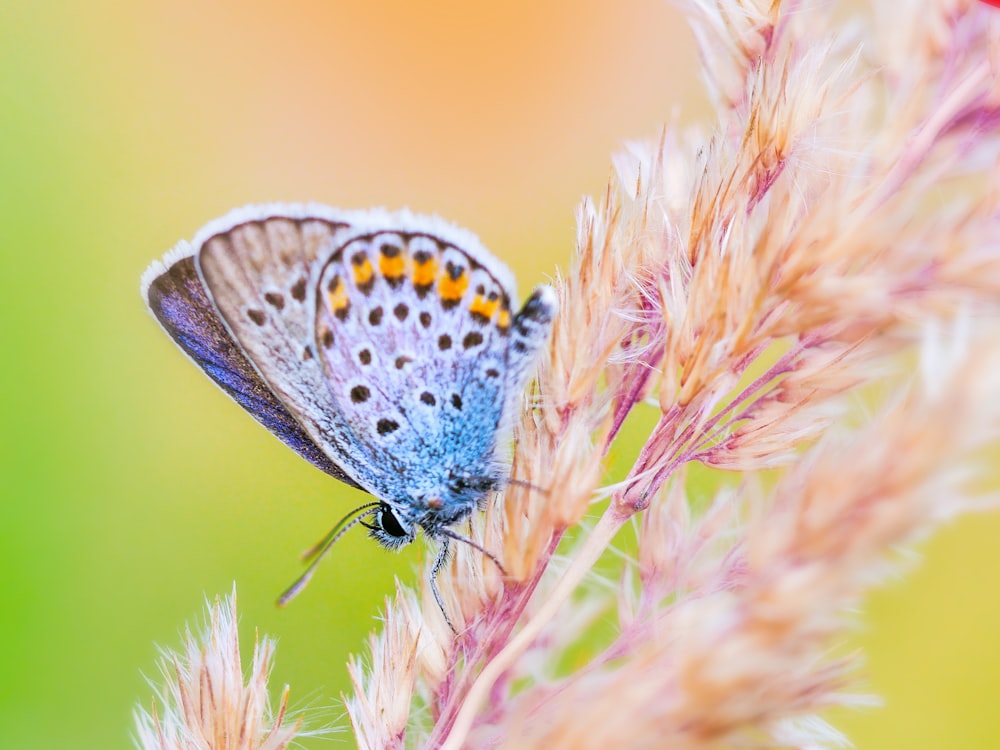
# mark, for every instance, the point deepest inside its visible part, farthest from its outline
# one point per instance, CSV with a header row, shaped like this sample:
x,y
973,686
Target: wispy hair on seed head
x,y
204,699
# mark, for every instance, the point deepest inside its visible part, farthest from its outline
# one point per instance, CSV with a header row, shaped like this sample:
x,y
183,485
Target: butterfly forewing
x,y
177,298
260,274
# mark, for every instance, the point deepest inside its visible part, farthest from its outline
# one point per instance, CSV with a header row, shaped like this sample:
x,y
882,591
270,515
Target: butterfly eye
x,y
388,529
387,522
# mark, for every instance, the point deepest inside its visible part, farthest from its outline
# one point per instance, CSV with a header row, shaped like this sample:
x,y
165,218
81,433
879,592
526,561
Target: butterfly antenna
x,y
318,551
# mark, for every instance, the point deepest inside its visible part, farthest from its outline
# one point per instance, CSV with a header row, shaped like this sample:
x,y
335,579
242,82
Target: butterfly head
x,y
394,524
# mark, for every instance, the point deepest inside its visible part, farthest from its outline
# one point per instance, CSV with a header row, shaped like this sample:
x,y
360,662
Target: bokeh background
x,y
132,487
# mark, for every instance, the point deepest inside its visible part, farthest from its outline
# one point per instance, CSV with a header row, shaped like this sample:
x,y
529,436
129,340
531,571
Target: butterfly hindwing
x,y
411,333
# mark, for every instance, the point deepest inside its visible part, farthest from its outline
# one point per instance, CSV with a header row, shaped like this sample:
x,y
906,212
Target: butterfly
x,y
384,348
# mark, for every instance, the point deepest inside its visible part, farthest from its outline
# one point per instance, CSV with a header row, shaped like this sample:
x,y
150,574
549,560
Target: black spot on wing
x,y
387,426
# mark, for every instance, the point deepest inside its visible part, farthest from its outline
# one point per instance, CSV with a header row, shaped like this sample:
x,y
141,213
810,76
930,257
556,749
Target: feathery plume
x,y
205,701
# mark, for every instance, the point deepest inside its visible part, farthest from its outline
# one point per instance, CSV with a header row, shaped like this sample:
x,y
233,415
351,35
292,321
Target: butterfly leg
x,y
442,558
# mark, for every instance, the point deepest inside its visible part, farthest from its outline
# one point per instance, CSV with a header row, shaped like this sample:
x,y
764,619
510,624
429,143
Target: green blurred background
x,y
132,487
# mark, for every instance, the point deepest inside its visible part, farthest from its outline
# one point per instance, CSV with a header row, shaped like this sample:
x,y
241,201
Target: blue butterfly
x,y
384,348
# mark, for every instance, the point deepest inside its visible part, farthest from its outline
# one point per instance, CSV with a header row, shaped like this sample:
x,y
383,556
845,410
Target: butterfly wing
x,y
178,300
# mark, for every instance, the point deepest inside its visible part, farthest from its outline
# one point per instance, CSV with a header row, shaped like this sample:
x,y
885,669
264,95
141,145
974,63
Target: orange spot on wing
x,y
424,273
363,272
452,289
483,306
392,268
336,295
503,320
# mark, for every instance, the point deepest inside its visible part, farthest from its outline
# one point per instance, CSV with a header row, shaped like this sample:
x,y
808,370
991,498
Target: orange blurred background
x,y
133,487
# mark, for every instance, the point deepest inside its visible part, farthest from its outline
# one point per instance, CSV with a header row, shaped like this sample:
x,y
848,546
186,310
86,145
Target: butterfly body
x,y
385,348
